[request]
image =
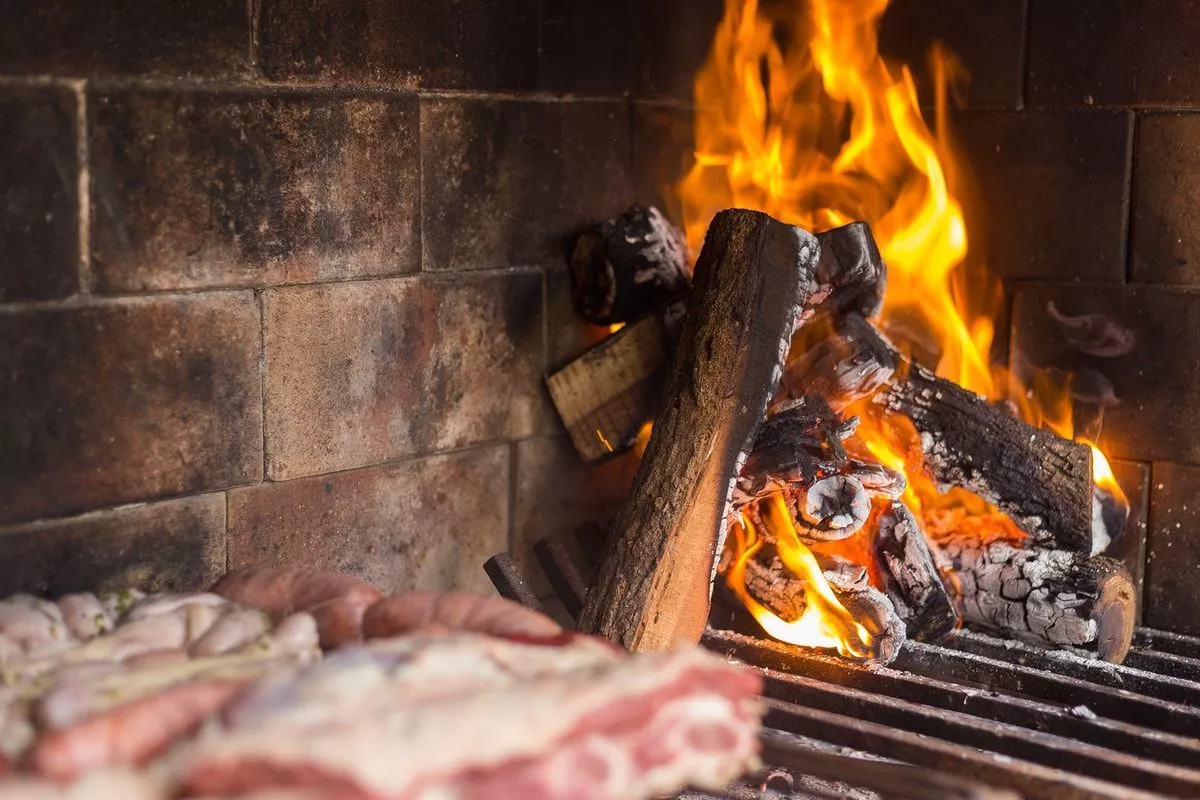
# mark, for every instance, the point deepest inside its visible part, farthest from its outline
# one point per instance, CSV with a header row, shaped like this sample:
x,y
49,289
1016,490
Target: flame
x,y
825,622
825,131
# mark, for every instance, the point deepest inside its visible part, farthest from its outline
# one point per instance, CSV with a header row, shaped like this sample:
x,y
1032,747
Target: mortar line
x,y
83,200
513,459
1023,58
1128,198
261,301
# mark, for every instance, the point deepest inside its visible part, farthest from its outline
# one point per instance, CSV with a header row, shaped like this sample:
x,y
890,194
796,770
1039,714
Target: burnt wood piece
x,y
851,275
1042,481
835,508
842,358
1046,597
1109,516
605,396
752,281
628,266
912,580
795,446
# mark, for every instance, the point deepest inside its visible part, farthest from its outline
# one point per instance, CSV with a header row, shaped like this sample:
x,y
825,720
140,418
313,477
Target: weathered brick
x,y
1052,188
192,188
423,524
986,38
557,492
1131,337
663,152
504,182
1134,479
1166,183
568,334
459,44
39,174
128,400
125,37
1172,593
365,372
171,546
1113,52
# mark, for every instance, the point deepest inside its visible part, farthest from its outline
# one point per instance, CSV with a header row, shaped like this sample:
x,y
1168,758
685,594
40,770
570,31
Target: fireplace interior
x,y
851,340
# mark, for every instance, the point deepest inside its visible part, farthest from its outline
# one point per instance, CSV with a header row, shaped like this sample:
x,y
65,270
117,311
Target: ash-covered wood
x,y
1109,516
912,579
1042,481
752,280
795,446
851,274
840,357
1040,595
836,507
628,266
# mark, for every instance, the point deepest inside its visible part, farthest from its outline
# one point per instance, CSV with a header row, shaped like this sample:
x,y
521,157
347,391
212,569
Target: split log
x,y
795,446
628,266
1040,480
1046,597
842,358
851,275
752,280
912,579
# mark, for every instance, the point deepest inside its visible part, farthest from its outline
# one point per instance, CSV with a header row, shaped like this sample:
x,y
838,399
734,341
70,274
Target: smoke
x,y
1094,334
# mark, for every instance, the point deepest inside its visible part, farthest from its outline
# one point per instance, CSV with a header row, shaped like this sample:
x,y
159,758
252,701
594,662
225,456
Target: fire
x,y
825,131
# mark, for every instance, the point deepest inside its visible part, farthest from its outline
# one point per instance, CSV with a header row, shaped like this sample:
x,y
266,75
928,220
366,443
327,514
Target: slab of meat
x,y
454,611
471,717
335,600
101,785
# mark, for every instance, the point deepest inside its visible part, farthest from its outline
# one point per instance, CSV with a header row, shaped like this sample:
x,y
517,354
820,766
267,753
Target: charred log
x,y
628,266
795,446
1042,481
841,358
851,274
912,579
652,590
1109,516
836,507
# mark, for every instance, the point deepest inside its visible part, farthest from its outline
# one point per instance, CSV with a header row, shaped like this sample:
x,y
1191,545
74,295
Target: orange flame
x,y
824,132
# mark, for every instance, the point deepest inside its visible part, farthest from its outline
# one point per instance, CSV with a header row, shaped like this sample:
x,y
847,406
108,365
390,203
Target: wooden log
x,y
795,446
841,358
1042,481
628,266
851,275
1048,597
1110,513
751,282
912,579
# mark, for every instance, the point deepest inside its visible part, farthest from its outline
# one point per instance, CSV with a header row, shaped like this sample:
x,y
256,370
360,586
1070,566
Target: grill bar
x,y
1167,642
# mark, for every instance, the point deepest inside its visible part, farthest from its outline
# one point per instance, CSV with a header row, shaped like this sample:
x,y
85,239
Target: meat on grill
x,y
431,612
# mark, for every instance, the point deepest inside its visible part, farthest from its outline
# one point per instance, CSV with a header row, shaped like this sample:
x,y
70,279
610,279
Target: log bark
x,y
1042,481
1048,597
912,579
752,280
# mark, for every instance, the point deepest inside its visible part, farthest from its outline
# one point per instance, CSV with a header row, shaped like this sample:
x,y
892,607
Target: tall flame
x,y
823,132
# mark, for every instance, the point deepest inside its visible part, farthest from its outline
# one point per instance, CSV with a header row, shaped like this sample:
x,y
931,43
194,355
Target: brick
x,y
1166,181
184,38
663,147
557,492
461,44
423,524
505,182
987,39
1052,187
1134,479
568,334
365,372
197,189
128,400
1172,593
646,48
39,175
1142,330
1110,52
171,546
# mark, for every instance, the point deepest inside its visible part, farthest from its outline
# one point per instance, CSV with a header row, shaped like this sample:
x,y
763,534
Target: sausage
x,y
133,733
455,611
336,601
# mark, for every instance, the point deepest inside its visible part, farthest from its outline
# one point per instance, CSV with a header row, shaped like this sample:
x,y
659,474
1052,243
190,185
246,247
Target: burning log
x,y
653,587
1040,480
851,274
912,579
841,358
1039,595
627,266
1110,513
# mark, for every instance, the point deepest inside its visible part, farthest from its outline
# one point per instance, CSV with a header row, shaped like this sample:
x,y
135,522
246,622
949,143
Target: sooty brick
x,y
423,524
454,44
365,372
1051,192
170,546
181,38
1166,183
128,400
1114,52
39,179
199,189
1172,593
1128,348
663,153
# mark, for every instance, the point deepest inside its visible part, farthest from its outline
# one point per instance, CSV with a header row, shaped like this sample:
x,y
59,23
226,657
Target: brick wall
x,y
279,280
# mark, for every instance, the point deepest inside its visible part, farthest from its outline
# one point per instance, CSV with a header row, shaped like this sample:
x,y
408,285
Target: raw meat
x,y
101,785
85,616
454,611
471,717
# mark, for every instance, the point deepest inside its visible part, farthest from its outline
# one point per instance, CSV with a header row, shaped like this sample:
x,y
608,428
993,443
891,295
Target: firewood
x,y
912,579
851,273
1039,595
795,446
628,266
1042,481
836,507
751,282
1109,516
842,358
